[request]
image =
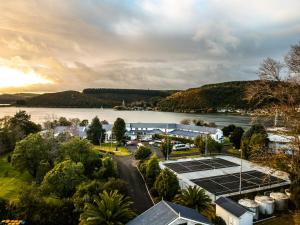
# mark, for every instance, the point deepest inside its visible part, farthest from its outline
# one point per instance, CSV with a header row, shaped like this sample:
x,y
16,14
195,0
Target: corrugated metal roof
x,y
231,206
159,214
188,213
165,212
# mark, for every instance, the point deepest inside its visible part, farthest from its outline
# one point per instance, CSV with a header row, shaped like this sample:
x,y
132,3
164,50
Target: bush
x,y
166,184
116,184
142,153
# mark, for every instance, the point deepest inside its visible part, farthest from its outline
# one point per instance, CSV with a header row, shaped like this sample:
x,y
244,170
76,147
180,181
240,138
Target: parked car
x,y
140,145
179,147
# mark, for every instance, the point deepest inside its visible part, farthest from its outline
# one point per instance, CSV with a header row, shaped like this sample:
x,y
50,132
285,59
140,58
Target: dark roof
x,y
188,213
231,206
163,213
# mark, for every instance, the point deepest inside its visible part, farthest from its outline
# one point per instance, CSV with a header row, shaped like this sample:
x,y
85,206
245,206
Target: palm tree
x,y
108,209
193,197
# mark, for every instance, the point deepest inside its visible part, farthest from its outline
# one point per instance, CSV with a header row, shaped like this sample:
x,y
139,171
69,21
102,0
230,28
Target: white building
x,y
233,213
145,130
280,142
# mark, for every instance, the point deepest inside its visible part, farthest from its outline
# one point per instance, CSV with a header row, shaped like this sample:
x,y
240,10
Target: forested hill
x,y
208,98
94,98
116,96
13,98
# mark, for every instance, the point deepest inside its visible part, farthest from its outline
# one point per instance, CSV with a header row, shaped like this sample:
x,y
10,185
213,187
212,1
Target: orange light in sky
x,y
10,77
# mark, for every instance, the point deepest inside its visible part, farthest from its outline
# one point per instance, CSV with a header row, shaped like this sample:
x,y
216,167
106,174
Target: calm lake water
x,y
41,115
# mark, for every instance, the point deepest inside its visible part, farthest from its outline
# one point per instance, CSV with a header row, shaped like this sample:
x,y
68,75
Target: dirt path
x,y
136,186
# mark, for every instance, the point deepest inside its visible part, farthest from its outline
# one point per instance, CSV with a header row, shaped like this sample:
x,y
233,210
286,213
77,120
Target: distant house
x,y
76,131
233,213
168,213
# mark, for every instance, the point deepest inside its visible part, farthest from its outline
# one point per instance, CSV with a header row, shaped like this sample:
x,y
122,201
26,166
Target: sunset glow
x,y
10,77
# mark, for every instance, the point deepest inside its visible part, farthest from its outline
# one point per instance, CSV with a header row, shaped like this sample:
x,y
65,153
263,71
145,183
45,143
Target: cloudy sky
x,y
54,45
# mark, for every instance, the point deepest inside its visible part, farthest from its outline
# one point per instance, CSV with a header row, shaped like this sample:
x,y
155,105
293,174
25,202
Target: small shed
x,y
233,213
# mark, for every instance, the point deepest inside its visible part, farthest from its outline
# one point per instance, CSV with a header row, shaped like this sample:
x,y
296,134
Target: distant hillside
x,y
64,99
95,98
13,98
208,98
116,96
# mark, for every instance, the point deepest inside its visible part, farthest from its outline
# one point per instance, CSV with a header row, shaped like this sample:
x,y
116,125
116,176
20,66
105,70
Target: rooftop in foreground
x,y
220,175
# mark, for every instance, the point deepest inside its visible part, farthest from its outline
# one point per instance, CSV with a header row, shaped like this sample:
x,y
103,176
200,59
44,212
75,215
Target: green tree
x,y
29,153
166,148
142,153
108,209
63,179
116,184
236,137
85,192
63,121
228,130
119,130
79,150
193,197
249,146
203,142
95,132
44,210
14,129
152,170
109,168
84,123
166,184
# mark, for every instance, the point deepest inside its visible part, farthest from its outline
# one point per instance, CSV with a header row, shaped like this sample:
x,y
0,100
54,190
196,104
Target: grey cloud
x,y
142,44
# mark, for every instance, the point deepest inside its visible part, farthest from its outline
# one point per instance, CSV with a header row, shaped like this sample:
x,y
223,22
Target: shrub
x,y
142,153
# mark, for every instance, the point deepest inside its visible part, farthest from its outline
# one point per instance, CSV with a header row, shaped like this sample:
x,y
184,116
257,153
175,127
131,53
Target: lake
x,y
41,115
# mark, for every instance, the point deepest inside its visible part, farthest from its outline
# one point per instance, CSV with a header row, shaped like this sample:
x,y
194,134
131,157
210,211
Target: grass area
x,y
111,149
11,181
285,219
234,152
183,152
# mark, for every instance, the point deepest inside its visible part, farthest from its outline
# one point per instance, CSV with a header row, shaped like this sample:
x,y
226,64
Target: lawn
x,y
11,181
183,152
111,149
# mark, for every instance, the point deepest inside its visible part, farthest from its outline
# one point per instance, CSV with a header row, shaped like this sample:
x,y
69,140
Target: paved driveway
x,y
136,186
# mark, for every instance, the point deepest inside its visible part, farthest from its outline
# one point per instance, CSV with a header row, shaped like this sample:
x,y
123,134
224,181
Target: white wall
x,y
246,219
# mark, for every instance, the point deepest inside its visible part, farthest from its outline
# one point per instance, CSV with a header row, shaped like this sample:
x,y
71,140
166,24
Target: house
x,y
233,213
168,213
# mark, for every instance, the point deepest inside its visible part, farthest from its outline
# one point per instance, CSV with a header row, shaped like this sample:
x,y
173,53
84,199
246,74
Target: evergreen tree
x,y
119,130
95,132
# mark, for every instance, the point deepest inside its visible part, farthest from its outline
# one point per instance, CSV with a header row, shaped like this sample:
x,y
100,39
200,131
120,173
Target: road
x,y
136,186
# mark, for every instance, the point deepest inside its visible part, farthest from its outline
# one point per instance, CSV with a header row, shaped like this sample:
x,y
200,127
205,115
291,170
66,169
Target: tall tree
x,y
119,130
236,137
166,184
228,130
152,170
166,148
193,197
108,209
278,94
95,132
254,140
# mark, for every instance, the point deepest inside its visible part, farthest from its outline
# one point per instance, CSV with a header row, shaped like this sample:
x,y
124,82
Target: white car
x,y
140,145
179,147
